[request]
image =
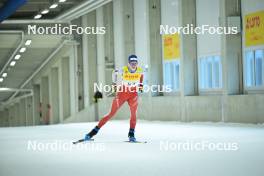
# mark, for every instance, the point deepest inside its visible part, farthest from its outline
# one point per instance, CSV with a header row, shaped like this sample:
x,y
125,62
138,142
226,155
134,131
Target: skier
x,y
126,87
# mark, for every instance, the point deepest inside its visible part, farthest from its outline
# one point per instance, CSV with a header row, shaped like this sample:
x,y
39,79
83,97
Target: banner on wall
x,y
254,29
171,46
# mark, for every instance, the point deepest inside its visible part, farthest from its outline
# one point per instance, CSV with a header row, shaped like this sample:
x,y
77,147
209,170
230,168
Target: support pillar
x,y
45,99
54,96
36,104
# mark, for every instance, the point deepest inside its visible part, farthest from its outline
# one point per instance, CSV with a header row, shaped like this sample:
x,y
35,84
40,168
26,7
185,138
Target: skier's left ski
x,y
82,140
141,142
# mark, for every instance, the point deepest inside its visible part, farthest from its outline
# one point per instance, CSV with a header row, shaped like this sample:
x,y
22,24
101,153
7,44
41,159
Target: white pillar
x,y
16,114
100,48
141,17
73,79
7,117
60,91
100,55
29,105
142,48
22,112
12,113
85,63
45,97
26,112
118,33
54,95
1,119
66,87
36,99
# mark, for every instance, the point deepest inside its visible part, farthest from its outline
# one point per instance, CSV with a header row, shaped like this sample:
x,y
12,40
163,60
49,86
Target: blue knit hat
x,y
132,58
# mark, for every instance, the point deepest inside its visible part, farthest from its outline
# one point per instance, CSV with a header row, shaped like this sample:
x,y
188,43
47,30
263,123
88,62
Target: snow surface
x,y
109,155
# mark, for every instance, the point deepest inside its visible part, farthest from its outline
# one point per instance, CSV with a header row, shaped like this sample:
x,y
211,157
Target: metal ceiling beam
x,y
32,21
71,11
4,104
6,89
82,9
39,68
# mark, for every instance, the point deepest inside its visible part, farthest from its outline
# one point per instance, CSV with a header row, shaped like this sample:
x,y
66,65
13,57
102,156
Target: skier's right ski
x,y
141,142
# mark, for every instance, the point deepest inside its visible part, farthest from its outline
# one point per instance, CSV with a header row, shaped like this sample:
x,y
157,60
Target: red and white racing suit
x,y
130,82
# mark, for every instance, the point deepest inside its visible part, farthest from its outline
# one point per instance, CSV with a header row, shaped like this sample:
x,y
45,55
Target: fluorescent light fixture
x,y
17,56
22,50
38,16
53,6
45,11
4,75
5,89
1,79
28,42
62,0
13,63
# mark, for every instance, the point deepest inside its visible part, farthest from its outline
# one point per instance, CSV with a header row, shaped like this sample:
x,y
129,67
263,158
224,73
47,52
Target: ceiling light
x,y
17,56
4,89
1,79
4,75
13,63
22,50
45,11
28,42
38,16
62,0
53,6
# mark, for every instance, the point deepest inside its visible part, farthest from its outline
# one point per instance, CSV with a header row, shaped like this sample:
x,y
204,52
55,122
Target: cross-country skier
x,y
127,81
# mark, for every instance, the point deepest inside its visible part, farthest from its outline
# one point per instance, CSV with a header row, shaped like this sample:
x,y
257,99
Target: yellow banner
x,y
171,46
254,29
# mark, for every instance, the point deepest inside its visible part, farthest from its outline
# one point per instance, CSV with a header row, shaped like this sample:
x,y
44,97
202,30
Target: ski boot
x,y
89,136
131,135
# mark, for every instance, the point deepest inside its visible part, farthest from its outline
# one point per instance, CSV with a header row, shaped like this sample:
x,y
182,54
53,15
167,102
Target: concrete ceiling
x,y
32,7
42,46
